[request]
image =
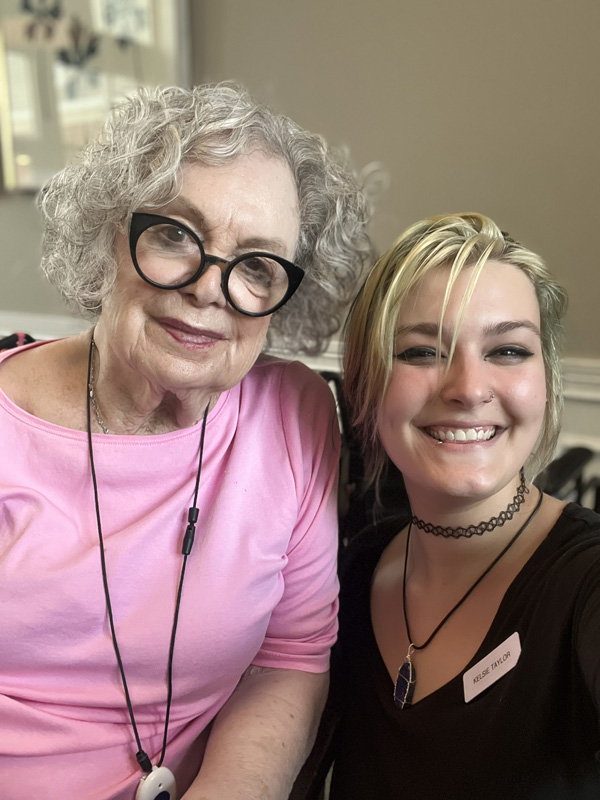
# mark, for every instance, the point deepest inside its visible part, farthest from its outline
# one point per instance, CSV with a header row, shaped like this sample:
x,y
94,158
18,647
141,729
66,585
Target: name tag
x,y
492,667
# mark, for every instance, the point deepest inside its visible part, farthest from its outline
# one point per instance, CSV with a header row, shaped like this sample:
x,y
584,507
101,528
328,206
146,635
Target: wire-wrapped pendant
x,y
404,687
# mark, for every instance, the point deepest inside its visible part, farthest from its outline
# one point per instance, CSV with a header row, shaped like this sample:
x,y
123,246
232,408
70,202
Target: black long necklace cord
x,y
473,587
141,756
188,541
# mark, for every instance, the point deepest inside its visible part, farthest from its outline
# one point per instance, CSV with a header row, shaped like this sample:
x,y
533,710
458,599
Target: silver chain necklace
x,y
91,388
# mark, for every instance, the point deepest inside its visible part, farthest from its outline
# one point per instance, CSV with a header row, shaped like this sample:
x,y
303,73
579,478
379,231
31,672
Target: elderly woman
x,y
137,662
469,626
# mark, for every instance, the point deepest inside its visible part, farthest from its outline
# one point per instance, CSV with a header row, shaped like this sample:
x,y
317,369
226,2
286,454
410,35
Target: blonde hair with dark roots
x,y
457,241
136,161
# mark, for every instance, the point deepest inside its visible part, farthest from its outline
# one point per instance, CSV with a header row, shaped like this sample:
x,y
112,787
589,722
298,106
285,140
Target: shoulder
x,y
357,564
302,396
23,369
360,557
289,408
293,376
577,530
580,518
43,379
566,566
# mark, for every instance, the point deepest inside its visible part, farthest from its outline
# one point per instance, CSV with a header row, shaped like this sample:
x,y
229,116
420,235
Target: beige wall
x,y
472,105
22,287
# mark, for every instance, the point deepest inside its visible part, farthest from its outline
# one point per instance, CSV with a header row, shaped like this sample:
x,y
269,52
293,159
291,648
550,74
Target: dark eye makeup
x,y
417,355
427,355
510,352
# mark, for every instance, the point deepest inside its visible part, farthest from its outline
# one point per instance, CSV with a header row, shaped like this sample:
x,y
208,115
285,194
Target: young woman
x,y
470,629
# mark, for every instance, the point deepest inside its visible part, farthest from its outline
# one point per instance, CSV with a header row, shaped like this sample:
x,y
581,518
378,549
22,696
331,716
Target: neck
x,y
443,554
485,526
124,403
443,510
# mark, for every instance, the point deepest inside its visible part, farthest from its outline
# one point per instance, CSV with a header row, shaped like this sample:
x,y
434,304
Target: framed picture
x,y
63,63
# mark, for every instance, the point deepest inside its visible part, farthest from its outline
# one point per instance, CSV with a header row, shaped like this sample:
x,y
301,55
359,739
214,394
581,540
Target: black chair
x,y
564,477
15,340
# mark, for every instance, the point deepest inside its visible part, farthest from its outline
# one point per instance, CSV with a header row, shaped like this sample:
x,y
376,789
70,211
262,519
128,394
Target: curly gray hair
x,y
136,161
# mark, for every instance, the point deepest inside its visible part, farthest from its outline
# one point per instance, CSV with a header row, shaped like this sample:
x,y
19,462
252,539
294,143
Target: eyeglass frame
x,y
141,221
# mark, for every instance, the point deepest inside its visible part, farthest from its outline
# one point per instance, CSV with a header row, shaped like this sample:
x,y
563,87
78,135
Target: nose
x,y
207,290
466,383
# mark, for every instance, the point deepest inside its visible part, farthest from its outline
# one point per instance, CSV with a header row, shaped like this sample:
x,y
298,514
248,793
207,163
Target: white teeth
x,y
463,434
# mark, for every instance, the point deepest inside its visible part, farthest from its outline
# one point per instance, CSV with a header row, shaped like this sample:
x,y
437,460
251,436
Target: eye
x,y
256,270
510,353
418,355
169,237
260,273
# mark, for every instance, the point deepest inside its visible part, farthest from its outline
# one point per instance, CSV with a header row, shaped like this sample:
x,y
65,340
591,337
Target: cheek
x,y
251,335
528,410
409,393
527,395
127,303
401,402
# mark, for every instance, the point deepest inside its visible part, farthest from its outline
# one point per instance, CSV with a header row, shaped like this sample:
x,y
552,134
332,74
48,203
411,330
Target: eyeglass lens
x,y
168,255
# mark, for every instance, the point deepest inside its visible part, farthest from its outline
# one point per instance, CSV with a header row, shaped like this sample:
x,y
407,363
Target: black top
x,y
535,733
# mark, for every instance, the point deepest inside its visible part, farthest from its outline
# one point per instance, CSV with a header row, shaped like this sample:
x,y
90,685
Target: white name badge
x,y
492,667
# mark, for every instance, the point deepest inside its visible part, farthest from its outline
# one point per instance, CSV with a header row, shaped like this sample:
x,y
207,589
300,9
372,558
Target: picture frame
x,y
64,63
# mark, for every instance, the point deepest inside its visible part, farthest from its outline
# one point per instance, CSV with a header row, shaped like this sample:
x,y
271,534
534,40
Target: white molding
x,y
581,375
582,379
329,361
41,326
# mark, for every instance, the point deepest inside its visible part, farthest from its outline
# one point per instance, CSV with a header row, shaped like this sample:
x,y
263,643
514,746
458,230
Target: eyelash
x,y
413,354
511,352
427,355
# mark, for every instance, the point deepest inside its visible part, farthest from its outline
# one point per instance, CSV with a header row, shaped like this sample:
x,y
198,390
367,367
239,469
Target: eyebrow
x,y
512,325
183,207
494,329
180,205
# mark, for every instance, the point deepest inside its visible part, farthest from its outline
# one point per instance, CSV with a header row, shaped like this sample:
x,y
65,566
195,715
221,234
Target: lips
x,y
462,435
190,334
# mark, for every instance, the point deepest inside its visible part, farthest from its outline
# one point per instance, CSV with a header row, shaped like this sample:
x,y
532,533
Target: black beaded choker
x,y
483,527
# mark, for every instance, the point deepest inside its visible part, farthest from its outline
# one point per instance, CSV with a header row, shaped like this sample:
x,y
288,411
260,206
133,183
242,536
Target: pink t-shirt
x,y
260,585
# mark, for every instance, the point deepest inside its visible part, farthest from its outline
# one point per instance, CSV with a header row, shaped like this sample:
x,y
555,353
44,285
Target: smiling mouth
x,y
187,333
460,435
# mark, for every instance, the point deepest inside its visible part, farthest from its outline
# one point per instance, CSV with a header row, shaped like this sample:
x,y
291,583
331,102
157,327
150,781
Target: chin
x,y
472,485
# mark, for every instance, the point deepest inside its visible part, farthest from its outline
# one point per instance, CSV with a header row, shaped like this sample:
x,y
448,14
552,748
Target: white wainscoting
x,y
41,326
582,376
581,422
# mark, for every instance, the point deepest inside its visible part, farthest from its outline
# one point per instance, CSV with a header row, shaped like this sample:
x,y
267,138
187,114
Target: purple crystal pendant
x,y
404,687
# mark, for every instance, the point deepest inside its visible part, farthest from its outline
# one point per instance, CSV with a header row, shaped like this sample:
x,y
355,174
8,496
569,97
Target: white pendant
x,y
157,785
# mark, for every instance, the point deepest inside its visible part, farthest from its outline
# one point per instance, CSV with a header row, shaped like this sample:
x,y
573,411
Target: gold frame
x,y
116,67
